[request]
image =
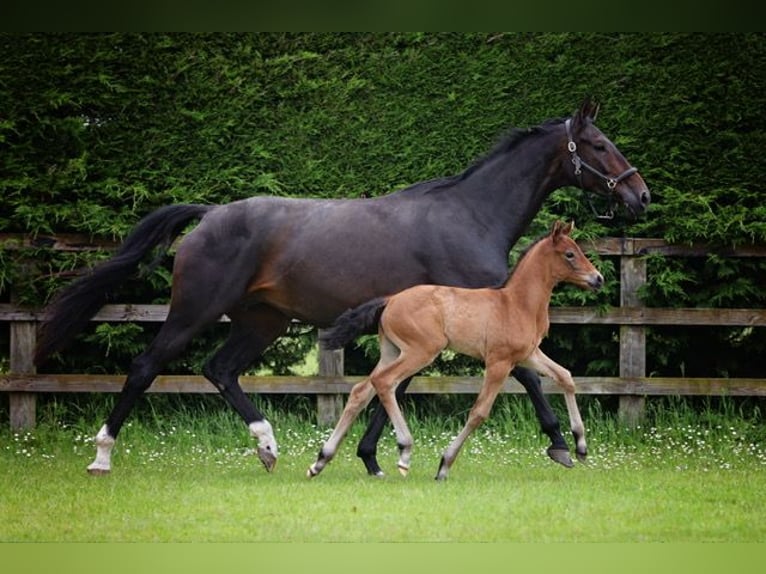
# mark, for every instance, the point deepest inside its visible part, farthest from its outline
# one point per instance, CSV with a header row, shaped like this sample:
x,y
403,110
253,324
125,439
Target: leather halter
x,y
611,182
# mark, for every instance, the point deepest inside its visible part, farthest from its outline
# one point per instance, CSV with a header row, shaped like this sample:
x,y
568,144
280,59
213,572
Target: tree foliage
x,y
97,130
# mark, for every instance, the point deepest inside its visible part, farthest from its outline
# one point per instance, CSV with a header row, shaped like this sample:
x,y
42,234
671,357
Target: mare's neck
x,y
509,188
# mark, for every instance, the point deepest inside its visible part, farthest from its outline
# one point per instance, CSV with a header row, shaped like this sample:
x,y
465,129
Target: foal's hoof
x,y
561,456
267,458
582,456
403,470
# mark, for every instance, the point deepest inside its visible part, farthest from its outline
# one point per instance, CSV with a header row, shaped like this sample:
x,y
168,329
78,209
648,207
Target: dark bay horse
x,y
264,261
502,326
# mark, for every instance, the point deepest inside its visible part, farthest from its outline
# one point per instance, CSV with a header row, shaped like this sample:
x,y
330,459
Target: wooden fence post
x,y
632,339
23,406
329,407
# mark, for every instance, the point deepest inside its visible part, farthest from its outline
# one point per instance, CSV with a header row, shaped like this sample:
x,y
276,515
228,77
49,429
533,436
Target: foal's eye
x,y
569,255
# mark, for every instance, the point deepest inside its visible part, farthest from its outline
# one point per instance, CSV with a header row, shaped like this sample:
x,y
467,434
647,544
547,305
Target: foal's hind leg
x,y
386,380
358,398
368,445
252,330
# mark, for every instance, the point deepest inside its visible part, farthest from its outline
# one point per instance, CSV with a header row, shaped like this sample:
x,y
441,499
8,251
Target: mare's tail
x,y
352,323
73,307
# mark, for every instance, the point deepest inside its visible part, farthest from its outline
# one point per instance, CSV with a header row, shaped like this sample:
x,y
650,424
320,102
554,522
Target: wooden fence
x,y
330,384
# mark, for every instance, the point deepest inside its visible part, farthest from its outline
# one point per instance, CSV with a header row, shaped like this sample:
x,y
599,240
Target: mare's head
x,y
598,165
567,259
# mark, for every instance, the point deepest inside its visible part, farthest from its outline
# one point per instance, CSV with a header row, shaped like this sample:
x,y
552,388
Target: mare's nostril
x,y
645,198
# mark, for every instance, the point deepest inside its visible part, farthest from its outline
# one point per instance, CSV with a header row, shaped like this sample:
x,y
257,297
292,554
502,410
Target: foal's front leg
x,y
548,367
494,377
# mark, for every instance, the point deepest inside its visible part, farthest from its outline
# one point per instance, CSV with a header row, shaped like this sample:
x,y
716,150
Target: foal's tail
x,y
73,307
352,323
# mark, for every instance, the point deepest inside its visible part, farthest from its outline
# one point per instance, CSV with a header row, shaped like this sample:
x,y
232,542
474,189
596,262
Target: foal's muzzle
x,y
595,281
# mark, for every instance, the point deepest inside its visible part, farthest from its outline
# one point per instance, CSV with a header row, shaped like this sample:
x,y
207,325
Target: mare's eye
x,y
599,147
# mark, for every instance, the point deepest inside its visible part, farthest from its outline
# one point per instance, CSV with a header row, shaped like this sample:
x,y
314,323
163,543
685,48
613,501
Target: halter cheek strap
x,y
579,163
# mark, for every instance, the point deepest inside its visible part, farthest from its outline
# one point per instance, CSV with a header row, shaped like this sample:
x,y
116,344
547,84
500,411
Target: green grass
x,y
691,475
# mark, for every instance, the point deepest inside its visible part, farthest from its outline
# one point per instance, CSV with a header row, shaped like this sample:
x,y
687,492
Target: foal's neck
x,y
531,284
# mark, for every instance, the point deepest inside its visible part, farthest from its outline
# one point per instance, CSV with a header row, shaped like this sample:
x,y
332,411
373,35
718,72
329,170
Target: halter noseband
x,y
611,182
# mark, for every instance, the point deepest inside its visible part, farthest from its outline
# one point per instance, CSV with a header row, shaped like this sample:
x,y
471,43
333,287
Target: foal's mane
x,y
522,255
505,145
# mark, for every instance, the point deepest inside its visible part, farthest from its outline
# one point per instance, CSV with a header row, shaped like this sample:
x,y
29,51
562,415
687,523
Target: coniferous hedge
x,y
98,130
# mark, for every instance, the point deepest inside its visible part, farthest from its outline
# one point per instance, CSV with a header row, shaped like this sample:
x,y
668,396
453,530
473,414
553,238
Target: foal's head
x,y
567,259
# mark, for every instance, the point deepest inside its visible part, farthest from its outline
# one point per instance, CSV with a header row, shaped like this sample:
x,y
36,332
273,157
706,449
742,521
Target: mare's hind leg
x,y
174,335
547,366
558,450
252,330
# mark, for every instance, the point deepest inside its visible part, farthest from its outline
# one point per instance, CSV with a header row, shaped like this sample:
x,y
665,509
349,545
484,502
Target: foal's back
x,y
469,321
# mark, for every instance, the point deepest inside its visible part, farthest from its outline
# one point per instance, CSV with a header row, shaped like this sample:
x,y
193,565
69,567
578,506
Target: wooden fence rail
x,y
330,384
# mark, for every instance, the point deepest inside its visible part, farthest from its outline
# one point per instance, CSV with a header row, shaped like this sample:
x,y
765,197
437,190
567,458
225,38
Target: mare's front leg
x,y
558,449
548,367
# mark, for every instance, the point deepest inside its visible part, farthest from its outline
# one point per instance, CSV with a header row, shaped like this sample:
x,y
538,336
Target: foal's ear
x,y
560,228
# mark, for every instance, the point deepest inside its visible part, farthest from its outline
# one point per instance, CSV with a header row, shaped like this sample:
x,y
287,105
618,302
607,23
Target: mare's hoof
x,y
371,464
561,456
582,456
403,470
96,471
267,458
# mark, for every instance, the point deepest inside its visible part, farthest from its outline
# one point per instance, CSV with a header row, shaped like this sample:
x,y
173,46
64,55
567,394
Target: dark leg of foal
x,y
251,332
558,450
368,445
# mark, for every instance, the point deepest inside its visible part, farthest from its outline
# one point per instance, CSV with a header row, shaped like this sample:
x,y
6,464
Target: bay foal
x,y
503,326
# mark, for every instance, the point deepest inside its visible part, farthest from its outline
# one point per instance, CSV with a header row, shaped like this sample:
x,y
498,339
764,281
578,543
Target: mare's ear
x,y
586,113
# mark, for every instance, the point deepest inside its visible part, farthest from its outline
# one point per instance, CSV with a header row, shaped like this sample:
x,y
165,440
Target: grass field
x,y
178,476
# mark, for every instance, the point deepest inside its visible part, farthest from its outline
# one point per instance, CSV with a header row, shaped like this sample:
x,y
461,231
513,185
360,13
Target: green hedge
x,y
98,130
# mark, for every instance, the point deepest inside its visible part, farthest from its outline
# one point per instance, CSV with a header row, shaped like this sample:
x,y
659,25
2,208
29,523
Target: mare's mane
x,y
506,144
